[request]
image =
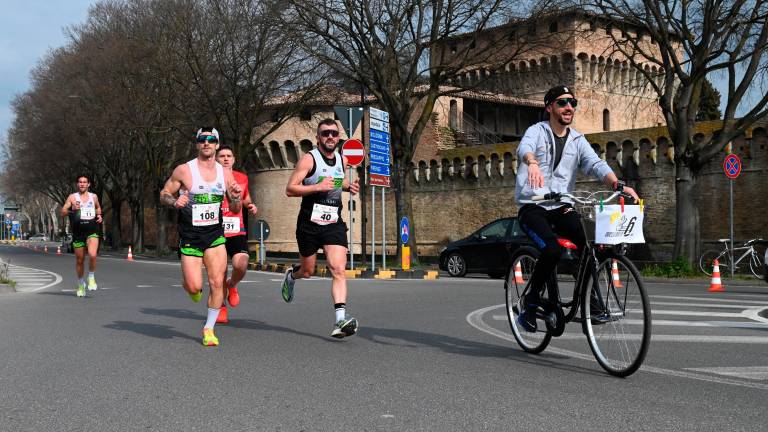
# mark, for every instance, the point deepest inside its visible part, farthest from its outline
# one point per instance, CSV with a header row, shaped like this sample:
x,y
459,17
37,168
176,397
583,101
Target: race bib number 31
x,y
231,225
205,214
324,215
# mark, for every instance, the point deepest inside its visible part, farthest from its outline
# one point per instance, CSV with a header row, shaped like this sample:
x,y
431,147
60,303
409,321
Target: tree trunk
x,y
687,216
137,226
404,207
161,216
117,225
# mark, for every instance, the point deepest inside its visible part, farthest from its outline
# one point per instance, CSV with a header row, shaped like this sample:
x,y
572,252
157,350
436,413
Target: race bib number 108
x,y
205,214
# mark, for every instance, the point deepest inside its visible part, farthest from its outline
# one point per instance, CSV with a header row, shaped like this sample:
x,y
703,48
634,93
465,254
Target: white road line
x,y
57,277
704,305
755,302
144,286
746,372
474,319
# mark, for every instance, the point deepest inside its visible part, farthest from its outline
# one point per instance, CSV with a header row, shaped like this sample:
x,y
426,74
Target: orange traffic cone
x,y
58,250
519,273
716,285
130,253
615,275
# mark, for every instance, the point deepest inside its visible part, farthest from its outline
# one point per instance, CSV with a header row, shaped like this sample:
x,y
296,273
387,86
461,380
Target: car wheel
x,y
456,265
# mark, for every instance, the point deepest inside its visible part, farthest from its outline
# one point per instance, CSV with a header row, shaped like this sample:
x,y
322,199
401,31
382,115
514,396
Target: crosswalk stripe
x,y
746,372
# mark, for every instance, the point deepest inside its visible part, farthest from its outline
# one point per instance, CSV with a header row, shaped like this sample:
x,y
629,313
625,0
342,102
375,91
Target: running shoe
x,y
345,327
209,339
92,283
527,317
196,296
222,318
233,297
80,289
288,285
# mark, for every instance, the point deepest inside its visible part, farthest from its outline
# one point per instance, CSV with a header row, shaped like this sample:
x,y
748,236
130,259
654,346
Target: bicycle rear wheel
x,y
707,261
616,316
514,287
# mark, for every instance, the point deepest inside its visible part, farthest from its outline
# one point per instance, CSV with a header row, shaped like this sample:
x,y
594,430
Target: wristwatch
x,y
618,186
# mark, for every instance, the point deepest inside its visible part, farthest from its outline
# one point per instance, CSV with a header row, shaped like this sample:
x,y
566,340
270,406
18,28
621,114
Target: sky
x,y
30,29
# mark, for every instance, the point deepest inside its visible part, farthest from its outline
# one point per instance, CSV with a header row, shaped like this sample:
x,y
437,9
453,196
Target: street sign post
x,y
405,232
732,169
262,233
379,173
354,151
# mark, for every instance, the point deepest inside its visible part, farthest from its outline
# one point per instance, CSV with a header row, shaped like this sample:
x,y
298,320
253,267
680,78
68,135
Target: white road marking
x,y
56,277
144,286
704,305
746,372
755,302
474,319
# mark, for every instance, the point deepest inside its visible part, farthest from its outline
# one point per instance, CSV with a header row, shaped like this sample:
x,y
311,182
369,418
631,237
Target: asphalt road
x,y
430,355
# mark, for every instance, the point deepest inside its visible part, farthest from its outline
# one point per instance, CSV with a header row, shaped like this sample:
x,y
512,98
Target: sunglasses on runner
x,y
329,133
565,101
209,138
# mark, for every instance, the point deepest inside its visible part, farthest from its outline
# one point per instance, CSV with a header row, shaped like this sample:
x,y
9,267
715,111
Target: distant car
x,y
38,237
489,250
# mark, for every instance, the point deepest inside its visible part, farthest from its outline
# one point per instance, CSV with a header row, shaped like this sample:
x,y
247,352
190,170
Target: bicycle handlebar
x,y
588,199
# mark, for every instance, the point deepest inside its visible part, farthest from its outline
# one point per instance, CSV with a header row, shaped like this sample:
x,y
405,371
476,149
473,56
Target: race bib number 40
x,y
87,213
613,226
205,214
324,215
231,225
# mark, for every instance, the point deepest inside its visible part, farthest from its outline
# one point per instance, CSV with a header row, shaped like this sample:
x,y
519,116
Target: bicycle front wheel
x,y
755,265
707,261
514,287
616,315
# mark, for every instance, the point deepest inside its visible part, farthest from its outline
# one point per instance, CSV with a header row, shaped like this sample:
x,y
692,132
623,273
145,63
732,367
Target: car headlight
x,y
443,249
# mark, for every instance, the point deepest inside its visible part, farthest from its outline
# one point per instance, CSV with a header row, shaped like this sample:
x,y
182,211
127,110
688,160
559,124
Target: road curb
x,y
361,273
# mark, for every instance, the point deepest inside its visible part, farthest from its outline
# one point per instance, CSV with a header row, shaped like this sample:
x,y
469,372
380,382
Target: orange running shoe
x,y
222,318
233,297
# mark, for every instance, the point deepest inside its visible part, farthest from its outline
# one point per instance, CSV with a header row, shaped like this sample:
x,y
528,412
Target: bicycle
x,y
707,260
606,297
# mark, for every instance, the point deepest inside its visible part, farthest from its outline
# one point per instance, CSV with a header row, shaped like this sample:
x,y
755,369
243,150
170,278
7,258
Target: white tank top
x,y
205,198
87,208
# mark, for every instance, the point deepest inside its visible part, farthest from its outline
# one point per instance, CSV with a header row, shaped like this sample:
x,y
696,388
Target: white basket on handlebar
x,y
614,226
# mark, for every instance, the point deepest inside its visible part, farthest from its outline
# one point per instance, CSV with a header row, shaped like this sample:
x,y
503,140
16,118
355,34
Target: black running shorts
x,y
312,237
237,244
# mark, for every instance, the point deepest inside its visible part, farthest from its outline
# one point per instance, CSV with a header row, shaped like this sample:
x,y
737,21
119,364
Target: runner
x,y
319,180
84,213
200,186
235,232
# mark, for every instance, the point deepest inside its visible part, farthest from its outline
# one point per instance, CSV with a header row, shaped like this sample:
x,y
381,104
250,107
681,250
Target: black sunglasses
x,y
209,138
329,133
565,101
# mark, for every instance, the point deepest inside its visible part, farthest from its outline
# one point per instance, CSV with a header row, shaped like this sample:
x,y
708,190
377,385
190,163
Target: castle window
x,y
553,27
606,120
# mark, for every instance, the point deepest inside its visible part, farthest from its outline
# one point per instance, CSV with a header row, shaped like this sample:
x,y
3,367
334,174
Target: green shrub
x,y
678,268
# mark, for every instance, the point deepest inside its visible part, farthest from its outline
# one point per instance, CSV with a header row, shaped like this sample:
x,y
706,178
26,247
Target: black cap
x,y
555,92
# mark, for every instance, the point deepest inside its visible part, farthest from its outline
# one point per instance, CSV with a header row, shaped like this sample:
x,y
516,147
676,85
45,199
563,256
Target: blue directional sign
x,y
379,158
380,136
380,169
379,147
405,230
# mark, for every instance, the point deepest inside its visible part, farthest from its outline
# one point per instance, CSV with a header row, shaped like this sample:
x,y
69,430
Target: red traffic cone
x,y
716,285
130,253
58,250
615,275
519,273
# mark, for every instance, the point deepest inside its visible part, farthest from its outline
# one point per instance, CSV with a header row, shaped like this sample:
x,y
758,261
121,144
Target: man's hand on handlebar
x,y
631,192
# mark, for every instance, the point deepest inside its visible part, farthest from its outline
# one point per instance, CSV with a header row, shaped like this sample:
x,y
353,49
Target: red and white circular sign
x,y
354,151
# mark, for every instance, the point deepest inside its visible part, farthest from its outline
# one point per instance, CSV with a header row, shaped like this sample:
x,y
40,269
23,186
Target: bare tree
x,y
694,41
405,52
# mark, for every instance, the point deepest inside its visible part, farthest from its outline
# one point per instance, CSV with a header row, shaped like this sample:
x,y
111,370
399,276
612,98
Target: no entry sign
x,y
354,151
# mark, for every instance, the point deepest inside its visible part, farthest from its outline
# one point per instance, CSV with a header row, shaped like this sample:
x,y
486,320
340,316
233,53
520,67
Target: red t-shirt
x,y
233,222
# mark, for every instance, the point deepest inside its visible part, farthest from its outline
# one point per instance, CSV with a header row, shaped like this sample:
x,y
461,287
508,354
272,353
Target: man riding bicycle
x,y
548,156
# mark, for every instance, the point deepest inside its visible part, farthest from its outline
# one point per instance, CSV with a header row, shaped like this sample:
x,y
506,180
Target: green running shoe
x,y
344,328
80,289
92,283
287,287
196,296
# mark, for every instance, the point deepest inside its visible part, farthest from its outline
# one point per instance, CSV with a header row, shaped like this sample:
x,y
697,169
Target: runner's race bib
x,y
87,213
205,214
231,225
614,226
324,215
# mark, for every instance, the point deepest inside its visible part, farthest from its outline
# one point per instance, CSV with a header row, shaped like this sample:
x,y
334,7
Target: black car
x,y
488,250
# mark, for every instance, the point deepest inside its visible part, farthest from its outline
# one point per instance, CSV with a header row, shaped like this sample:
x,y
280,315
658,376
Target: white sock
x,y
211,320
341,313
91,275
82,281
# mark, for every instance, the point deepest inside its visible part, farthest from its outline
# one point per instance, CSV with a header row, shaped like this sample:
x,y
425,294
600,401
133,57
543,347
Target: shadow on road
x,y
174,313
158,331
259,325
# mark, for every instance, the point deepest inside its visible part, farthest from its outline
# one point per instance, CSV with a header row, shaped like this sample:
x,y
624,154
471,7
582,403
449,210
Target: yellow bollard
x,y
406,258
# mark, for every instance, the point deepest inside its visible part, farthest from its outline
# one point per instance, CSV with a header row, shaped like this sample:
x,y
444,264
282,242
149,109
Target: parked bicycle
x,y
609,291
755,263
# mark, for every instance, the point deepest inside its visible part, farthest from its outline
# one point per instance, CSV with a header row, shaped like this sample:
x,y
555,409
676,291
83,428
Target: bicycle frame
x,y
728,253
